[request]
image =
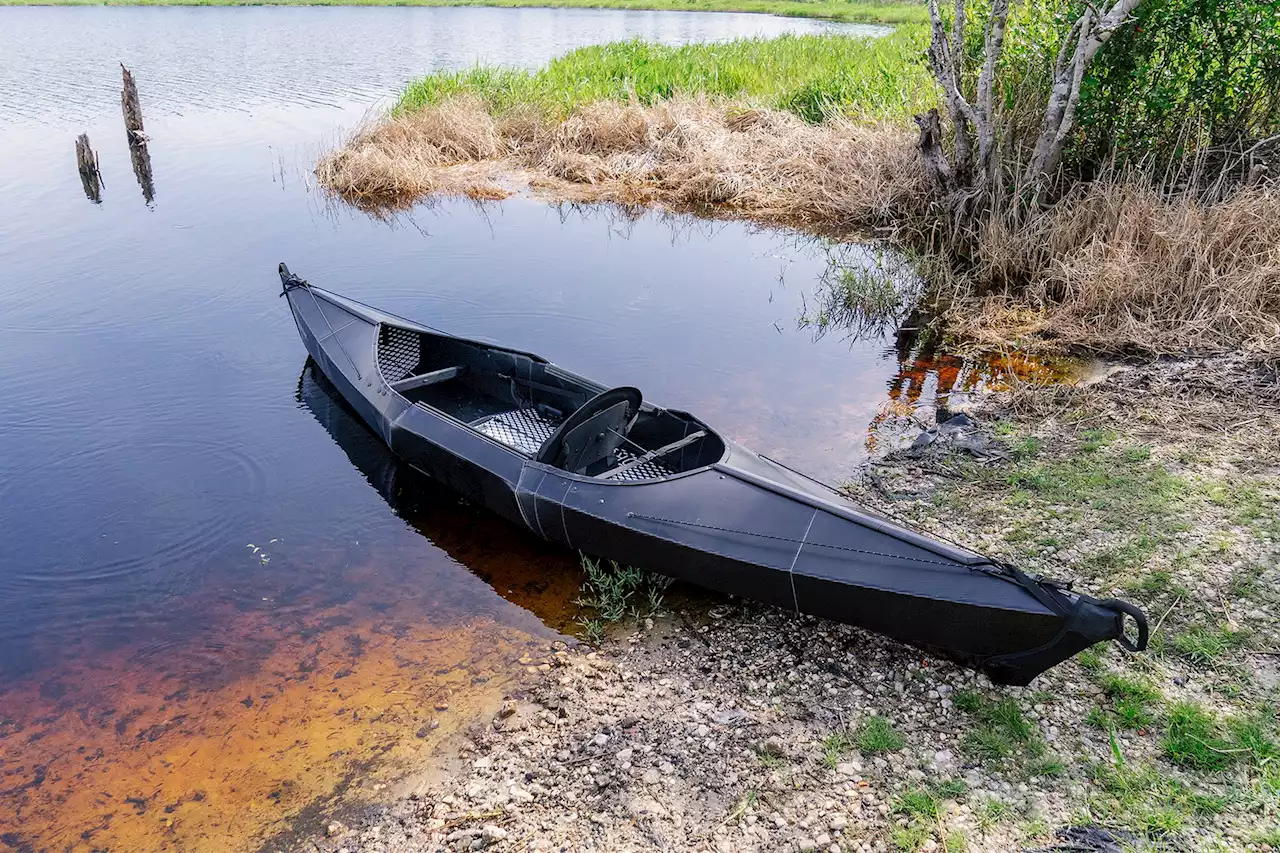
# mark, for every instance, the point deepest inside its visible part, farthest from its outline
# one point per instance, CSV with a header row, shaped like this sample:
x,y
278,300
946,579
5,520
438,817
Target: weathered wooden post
x,y
87,164
132,111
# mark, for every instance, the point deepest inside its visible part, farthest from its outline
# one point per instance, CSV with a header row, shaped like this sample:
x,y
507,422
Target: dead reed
x,y
688,154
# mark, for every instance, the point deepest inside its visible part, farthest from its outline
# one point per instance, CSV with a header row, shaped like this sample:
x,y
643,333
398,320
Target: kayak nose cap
x,y
288,280
1089,621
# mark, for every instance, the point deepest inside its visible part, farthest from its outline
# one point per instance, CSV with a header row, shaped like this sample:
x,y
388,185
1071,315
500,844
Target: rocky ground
x,y
720,725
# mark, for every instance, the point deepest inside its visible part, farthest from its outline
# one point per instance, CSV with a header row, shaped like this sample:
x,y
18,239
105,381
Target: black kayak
x,y
604,472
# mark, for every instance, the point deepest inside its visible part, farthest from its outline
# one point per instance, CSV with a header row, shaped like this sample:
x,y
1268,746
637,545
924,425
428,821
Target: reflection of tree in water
x,y
918,349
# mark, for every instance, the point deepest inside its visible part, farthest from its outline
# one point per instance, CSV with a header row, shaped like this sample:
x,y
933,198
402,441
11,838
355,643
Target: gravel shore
x,y
715,724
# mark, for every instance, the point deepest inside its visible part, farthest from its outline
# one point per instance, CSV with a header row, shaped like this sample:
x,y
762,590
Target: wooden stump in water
x,y
132,111
87,164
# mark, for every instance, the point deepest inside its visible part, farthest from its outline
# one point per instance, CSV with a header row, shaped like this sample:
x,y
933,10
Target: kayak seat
x,y
588,439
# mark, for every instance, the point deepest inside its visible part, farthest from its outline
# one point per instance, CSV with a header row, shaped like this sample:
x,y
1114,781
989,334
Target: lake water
x,y
222,603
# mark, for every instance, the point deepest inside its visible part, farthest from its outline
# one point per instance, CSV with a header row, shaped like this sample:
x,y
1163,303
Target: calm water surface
x,y
221,600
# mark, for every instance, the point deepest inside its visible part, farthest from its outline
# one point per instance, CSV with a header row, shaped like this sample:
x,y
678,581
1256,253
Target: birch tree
x,y
971,174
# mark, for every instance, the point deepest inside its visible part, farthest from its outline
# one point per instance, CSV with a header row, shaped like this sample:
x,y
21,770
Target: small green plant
x,y
876,734
920,803
1132,700
1195,739
614,592
1001,731
1146,800
834,747
768,759
1092,440
1136,453
992,812
1091,659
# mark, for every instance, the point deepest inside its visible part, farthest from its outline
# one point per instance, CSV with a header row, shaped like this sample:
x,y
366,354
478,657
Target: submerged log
x,y
132,110
87,164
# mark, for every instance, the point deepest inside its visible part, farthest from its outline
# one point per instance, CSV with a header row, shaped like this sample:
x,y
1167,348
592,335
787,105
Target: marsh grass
x,y
815,132
815,77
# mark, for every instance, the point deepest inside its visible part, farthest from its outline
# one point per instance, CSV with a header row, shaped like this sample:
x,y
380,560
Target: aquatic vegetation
x,y
615,592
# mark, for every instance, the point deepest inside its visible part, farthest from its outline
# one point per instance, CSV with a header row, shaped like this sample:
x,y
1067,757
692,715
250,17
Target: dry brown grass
x,y
686,154
1117,267
1113,266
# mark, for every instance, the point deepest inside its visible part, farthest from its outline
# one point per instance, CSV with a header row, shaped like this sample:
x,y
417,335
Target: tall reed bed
x,y
815,76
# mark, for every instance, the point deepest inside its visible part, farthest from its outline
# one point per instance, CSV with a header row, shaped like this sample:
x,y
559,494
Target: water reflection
x,y
141,160
524,570
341,681
928,375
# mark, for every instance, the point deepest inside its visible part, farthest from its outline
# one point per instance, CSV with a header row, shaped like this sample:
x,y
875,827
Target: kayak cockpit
x,y
541,411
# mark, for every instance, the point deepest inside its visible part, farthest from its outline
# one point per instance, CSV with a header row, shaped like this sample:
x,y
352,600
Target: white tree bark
x,y
974,161
1087,36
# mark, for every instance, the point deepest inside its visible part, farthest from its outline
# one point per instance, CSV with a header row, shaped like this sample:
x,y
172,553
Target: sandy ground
x,y
716,724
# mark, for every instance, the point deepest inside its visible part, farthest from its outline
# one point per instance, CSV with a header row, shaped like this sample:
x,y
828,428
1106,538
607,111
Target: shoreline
x,y
836,12
718,724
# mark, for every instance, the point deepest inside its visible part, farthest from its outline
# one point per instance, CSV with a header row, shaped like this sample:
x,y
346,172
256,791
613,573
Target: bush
x,y
1183,74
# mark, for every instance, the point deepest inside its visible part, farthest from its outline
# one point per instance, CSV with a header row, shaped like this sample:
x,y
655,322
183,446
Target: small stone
x,y
508,708
492,834
823,840
600,739
839,822
442,706
334,829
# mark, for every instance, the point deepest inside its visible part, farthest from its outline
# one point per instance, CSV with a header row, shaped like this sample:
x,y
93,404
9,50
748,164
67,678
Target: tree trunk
x,y
1091,31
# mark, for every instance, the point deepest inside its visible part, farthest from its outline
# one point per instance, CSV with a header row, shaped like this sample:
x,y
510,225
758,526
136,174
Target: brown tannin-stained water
x,y
222,601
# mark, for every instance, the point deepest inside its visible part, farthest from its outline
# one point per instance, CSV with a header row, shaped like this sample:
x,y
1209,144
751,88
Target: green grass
x,y
921,810
1204,645
813,76
1147,801
888,12
876,734
834,747
1133,700
1198,740
1002,734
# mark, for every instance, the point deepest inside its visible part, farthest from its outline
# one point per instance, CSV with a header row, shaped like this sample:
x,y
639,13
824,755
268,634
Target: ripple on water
x,y
128,536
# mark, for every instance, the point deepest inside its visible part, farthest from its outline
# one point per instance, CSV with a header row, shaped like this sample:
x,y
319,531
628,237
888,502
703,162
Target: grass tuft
x,y
614,592
876,734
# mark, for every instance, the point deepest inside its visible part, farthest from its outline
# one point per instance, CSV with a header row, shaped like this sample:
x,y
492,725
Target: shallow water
x,y
220,598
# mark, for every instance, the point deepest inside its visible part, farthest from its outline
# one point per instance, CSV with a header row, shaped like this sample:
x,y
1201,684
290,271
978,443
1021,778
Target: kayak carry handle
x,y
1139,618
